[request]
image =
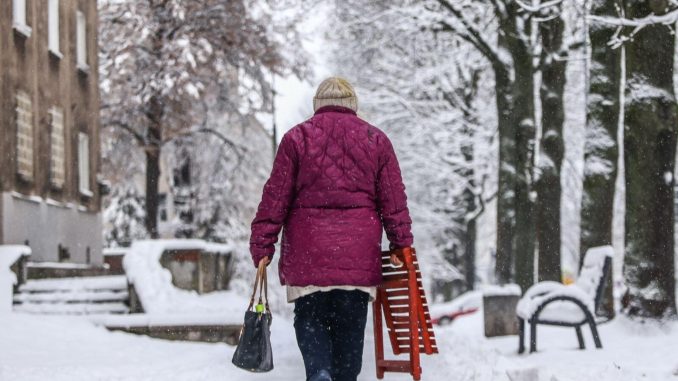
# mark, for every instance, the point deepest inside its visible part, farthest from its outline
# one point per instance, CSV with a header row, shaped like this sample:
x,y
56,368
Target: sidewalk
x,y
68,348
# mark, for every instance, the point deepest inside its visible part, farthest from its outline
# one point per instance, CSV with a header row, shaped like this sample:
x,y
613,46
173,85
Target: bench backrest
x,y
594,272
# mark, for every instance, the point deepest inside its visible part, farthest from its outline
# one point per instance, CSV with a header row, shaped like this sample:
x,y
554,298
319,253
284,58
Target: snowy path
x,y
70,348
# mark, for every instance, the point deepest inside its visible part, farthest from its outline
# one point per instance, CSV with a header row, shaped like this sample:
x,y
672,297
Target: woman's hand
x,y
265,261
395,261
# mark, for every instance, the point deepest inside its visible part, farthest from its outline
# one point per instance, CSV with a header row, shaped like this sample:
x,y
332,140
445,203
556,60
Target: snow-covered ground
x,y
72,348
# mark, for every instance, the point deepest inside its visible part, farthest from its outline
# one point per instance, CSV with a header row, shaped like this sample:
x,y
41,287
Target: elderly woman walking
x,y
335,183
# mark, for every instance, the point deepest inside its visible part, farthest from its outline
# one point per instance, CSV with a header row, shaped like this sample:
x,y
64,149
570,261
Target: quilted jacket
x,y
334,186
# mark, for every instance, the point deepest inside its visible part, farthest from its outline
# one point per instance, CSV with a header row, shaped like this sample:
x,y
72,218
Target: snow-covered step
x,y
205,327
72,308
74,296
116,282
71,297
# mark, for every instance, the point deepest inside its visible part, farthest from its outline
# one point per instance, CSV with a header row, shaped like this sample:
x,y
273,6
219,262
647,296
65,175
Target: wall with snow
x,y
46,224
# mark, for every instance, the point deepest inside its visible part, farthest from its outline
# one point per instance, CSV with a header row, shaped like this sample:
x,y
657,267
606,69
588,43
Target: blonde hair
x,y
335,91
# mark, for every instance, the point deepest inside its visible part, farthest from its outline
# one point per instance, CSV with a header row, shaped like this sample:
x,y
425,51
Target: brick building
x,y
49,129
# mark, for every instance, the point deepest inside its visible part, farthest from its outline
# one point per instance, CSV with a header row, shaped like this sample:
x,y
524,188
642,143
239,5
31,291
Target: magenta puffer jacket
x,y
335,182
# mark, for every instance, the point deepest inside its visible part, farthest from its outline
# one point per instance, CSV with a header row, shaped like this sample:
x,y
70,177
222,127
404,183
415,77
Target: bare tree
x,y
163,61
511,61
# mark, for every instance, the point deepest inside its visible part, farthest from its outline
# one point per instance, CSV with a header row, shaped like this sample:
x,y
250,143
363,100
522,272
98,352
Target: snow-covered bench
x,y
553,303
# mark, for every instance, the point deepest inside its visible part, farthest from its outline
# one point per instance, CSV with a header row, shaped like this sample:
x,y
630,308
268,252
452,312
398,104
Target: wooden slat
x,y
405,340
399,284
394,366
421,349
397,293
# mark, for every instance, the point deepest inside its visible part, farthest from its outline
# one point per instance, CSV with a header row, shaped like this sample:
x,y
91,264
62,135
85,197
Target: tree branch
x,y
473,36
126,127
666,19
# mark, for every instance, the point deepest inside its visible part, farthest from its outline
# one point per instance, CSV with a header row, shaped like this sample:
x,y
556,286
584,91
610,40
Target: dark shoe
x,y
323,375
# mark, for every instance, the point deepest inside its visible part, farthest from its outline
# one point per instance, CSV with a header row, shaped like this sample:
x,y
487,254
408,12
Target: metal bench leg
x,y
594,331
521,330
533,336
580,337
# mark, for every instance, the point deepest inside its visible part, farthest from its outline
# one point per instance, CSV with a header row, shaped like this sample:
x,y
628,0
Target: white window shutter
x,y
81,39
53,26
19,12
57,161
24,129
83,164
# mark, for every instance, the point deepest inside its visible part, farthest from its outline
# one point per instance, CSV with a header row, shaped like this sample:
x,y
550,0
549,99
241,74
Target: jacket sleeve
x,y
391,198
275,202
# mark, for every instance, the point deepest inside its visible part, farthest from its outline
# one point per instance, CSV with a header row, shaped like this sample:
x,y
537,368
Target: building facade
x,y
49,129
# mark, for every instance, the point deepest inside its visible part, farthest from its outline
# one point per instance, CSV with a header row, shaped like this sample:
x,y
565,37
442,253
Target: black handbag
x,y
253,352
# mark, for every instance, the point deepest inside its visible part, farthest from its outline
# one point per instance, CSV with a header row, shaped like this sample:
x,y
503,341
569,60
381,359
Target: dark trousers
x,y
330,328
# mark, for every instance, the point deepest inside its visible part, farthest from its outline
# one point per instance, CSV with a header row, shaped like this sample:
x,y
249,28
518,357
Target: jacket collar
x,y
340,109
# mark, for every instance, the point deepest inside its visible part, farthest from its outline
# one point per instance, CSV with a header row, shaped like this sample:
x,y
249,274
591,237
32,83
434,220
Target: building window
x,y
19,17
24,134
53,27
81,41
57,162
83,164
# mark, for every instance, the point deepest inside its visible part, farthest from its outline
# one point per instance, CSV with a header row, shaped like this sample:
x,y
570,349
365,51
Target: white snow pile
x,y
9,254
583,290
464,302
592,269
565,311
158,296
505,290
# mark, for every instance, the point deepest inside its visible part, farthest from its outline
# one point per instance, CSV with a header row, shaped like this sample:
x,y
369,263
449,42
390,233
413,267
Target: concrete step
x,y
71,297
109,283
74,296
72,308
211,328
47,270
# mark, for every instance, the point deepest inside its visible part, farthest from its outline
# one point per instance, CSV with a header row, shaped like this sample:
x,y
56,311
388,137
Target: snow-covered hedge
x,y
9,254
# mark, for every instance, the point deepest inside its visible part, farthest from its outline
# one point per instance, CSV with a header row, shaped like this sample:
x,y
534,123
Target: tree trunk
x,y
515,103
600,150
153,147
651,120
523,119
553,65
152,178
506,177
470,255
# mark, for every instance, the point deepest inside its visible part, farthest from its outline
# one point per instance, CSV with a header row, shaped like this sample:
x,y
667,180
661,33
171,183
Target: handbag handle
x,y
260,283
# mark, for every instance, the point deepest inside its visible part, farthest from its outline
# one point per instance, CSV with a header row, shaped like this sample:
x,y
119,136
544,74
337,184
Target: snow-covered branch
x,y
539,7
637,24
669,18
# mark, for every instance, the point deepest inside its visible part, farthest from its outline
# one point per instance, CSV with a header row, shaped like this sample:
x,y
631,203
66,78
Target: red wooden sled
x,y
402,300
